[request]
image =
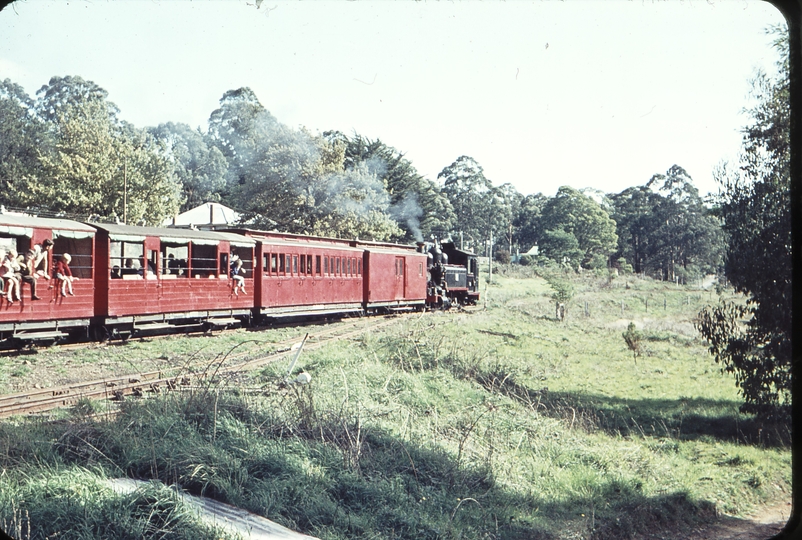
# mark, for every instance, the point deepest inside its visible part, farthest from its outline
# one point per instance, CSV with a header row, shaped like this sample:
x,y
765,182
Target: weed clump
x,y
633,338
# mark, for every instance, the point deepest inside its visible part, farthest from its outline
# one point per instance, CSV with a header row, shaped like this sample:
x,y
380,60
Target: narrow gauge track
x,y
86,344
48,399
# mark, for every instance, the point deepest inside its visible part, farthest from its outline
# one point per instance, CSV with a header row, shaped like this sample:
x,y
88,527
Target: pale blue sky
x,y
599,94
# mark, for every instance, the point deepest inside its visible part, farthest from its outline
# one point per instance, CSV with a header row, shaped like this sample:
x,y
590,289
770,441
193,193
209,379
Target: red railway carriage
x,y
395,276
306,275
52,314
151,277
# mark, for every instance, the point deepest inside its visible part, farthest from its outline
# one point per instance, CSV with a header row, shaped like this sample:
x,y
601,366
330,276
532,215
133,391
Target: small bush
x,y
633,338
624,266
502,256
597,261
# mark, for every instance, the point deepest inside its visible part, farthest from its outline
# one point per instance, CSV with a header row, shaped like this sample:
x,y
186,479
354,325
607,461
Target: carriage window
x,y
18,245
273,263
303,264
266,263
245,254
400,267
288,267
348,272
125,258
173,260
224,269
204,261
7,244
309,265
359,267
325,265
295,264
281,264
80,249
338,266
317,264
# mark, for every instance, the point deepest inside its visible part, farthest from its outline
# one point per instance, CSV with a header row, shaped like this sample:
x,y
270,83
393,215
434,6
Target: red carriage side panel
x,y
310,276
394,277
21,233
177,273
304,275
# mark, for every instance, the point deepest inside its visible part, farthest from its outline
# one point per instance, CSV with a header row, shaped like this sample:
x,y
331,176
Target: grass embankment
x,y
504,423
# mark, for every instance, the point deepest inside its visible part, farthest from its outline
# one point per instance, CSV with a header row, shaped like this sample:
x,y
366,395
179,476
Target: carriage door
x,y
399,278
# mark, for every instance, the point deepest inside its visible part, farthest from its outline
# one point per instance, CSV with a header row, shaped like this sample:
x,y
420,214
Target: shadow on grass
x,y
682,419
311,481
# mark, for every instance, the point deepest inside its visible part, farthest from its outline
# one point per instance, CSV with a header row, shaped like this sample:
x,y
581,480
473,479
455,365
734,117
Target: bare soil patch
x,y
764,524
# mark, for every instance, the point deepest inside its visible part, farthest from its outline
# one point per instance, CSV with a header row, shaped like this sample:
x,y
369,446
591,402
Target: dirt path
x,y
761,526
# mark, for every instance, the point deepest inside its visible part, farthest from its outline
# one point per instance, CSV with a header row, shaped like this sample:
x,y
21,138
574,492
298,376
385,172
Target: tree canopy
x,y
755,208
665,229
571,213
415,202
88,162
199,166
22,136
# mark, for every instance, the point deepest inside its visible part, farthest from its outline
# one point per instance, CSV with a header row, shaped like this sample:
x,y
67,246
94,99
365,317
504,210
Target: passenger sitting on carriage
x,y
237,272
64,275
40,262
28,272
8,271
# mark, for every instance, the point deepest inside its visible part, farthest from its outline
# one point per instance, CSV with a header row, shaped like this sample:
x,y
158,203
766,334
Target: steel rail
x,y
48,399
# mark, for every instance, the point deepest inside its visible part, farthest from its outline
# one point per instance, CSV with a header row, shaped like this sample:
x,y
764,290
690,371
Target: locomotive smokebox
x,y
436,254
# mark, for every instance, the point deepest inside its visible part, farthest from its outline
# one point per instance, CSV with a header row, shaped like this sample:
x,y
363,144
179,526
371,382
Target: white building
x,y
204,215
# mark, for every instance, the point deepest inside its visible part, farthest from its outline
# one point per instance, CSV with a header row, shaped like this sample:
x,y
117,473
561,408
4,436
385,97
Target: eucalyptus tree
x,y
199,166
571,213
506,206
23,137
289,180
665,228
415,202
755,206
635,224
528,220
98,164
479,207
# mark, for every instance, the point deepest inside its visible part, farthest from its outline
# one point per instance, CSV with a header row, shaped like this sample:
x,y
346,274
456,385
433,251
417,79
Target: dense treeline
x,y
66,151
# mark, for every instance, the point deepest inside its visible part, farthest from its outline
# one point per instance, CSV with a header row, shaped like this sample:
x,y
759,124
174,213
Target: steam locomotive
x,y
453,275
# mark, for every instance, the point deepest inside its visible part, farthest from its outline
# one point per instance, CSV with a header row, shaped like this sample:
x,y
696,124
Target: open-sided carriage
x,y
151,278
53,316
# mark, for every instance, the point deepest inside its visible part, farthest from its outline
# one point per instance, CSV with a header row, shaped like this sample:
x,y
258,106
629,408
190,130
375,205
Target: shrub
x,y
597,261
502,256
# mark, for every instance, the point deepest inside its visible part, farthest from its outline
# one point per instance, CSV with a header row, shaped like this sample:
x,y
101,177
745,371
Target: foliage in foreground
x,y
755,342
499,424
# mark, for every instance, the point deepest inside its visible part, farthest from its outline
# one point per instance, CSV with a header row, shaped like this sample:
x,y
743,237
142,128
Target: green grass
x,y
503,423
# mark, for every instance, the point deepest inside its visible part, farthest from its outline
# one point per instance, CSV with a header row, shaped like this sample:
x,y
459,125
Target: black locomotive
x,y
453,274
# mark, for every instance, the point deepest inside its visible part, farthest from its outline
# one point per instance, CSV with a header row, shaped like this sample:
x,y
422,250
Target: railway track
x,y
117,388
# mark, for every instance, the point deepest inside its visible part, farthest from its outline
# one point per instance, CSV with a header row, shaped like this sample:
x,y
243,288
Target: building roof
x,y
209,213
